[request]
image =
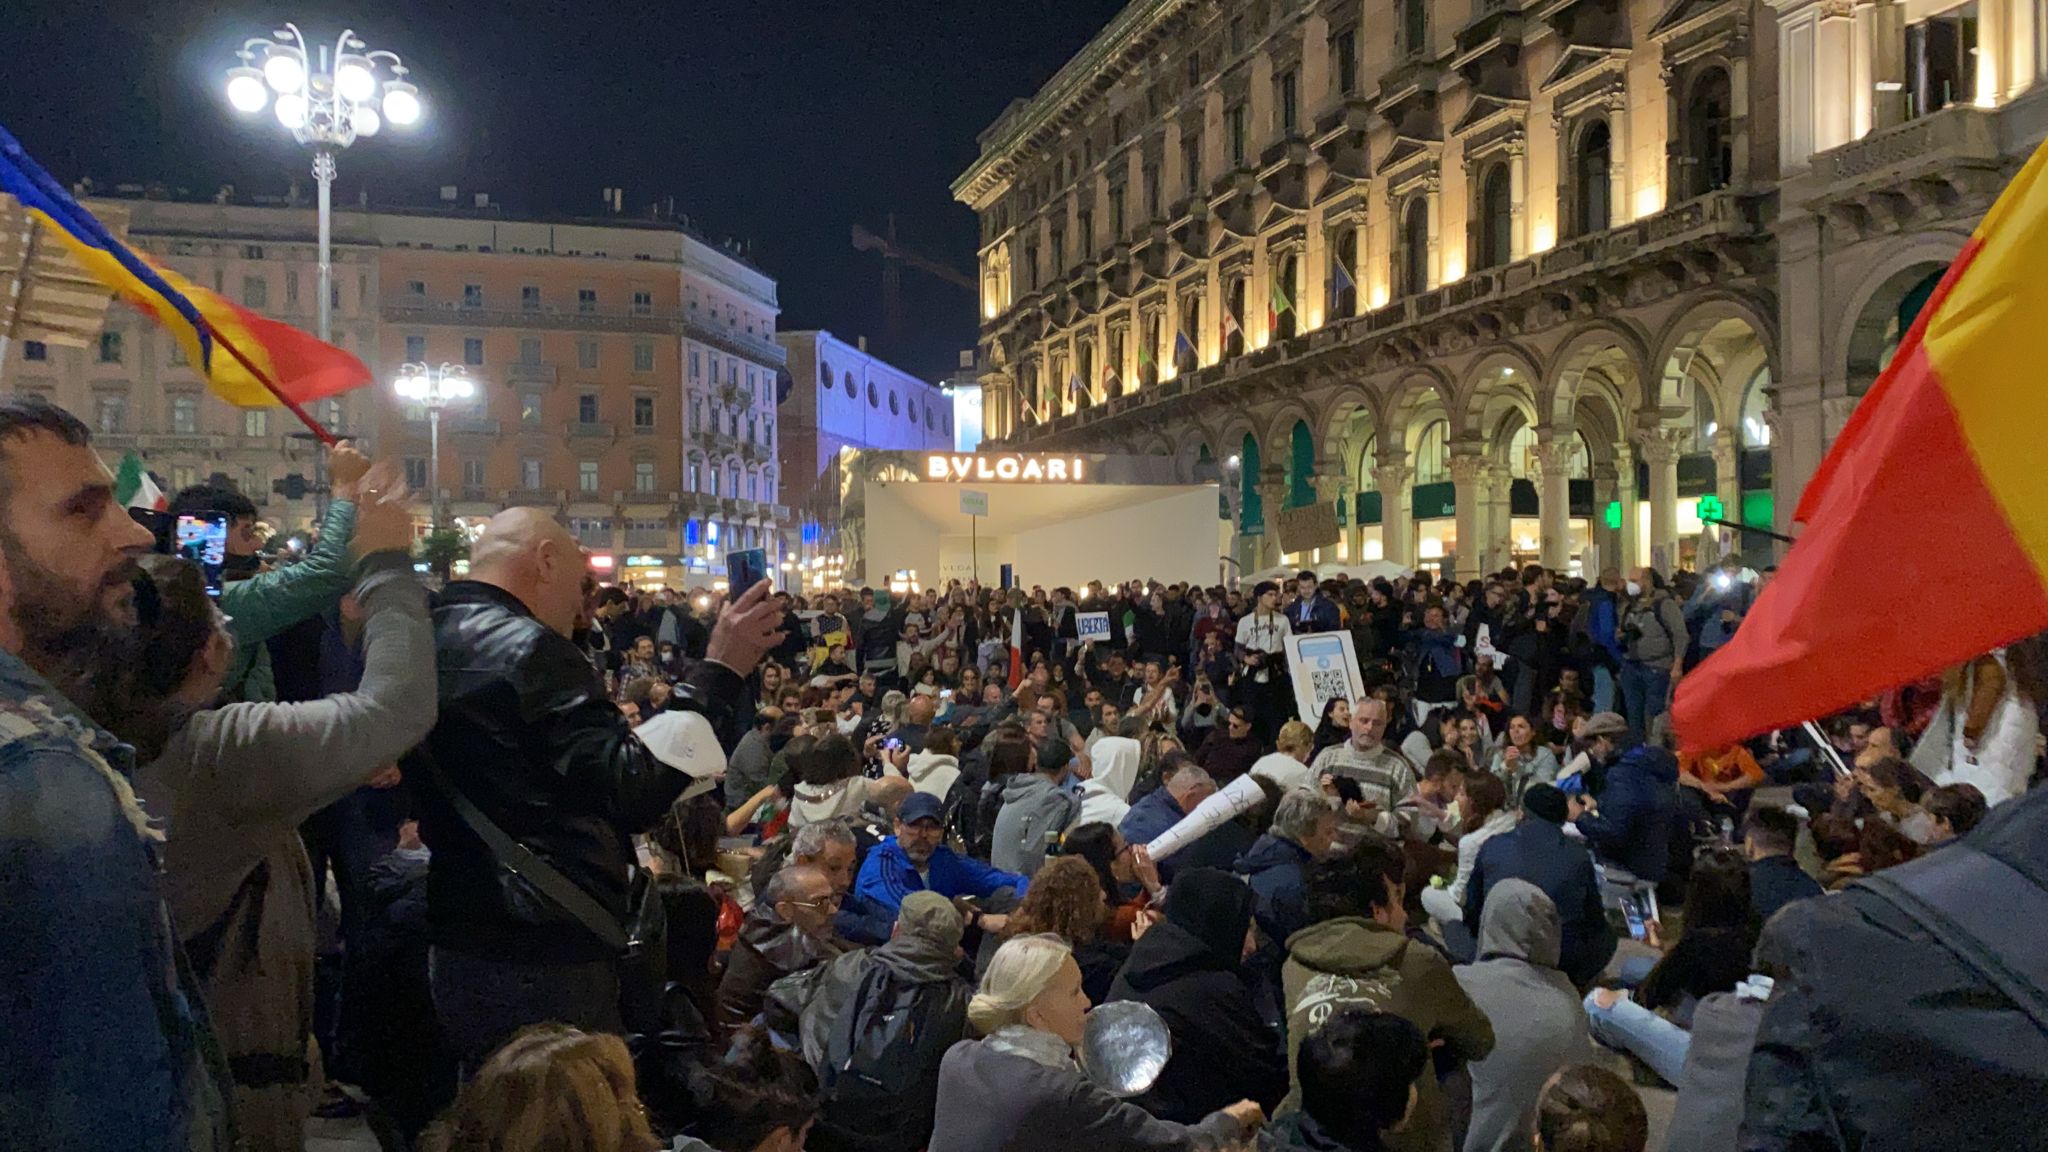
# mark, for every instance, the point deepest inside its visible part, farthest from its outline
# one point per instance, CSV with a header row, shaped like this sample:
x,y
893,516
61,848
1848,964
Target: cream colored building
x,y
1500,279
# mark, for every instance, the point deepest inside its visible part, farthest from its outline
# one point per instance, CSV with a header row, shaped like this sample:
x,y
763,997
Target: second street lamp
x,y
434,387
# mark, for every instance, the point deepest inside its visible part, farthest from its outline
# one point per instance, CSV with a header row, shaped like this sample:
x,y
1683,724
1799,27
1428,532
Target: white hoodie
x,y
933,774
1105,795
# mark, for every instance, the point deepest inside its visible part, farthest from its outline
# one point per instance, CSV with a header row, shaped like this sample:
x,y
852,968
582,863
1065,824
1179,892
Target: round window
x,y
874,396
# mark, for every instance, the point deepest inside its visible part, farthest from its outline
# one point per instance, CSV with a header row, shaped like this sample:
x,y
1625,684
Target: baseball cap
x,y
921,806
930,917
1606,724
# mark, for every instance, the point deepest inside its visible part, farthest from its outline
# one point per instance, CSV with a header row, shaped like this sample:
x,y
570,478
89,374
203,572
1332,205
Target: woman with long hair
x,y
550,1087
1129,878
1522,760
1018,1088
1066,900
1334,727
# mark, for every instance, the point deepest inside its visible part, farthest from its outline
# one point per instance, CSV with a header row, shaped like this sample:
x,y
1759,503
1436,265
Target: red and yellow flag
x,y
1926,539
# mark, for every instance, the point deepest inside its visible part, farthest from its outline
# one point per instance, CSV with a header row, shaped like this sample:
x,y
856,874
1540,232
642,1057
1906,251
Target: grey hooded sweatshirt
x,y
1032,807
1538,1024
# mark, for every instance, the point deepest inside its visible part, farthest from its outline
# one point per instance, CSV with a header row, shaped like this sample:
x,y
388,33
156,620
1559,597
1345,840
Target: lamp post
x,y
325,102
435,387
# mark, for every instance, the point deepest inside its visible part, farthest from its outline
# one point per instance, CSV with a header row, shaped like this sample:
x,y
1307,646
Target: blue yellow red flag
x,y
246,359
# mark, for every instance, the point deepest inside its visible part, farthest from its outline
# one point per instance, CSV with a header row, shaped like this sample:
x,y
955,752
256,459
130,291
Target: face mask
x,y
1633,588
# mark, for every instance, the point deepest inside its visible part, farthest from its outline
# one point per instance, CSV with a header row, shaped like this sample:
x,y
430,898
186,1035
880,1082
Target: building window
x,y
255,292
874,395
1236,35
695,366
529,473
291,288
691,484
255,422
586,475
586,408
417,289
753,486
643,411
183,476
586,354
529,350
37,350
1194,70
415,349
110,348
529,408
472,472
714,479
472,295
184,415
643,303
1344,271
1233,340
416,473
1286,291
910,409
110,412
1593,180
1411,259
334,295
1151,189
713,358
852,392
1433,454
529,298
473,351
252,251
1190,339
1191,158
1289,86
894,407
1059,251
1941,61
643,476
1236,121
586,299
1344,53
643,356
1414,26
1709,139
1493,221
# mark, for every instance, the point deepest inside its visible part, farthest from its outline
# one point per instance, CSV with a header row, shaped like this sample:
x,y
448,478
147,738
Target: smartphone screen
x,y
744,569
203,539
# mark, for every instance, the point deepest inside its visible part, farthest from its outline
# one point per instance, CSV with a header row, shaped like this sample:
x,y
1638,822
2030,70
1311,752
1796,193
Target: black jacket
x,y
526,733
1187,971
1539,852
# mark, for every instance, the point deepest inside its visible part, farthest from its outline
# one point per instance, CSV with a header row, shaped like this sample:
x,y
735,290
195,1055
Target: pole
x,y
974,546
434,462
323,174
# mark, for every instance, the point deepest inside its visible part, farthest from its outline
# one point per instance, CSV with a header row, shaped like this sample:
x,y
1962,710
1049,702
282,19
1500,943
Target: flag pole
x,y
318,429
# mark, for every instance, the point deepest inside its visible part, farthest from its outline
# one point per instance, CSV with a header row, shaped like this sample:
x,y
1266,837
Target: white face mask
x,y
1634,589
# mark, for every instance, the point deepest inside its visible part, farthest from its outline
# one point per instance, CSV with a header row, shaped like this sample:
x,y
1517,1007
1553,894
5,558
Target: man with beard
x,y
102,1044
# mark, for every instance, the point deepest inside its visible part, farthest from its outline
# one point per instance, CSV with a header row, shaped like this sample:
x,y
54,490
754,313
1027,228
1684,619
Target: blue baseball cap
x,y
921,806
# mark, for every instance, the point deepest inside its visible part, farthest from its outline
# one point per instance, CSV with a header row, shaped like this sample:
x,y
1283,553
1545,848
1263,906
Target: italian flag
x,y
134,488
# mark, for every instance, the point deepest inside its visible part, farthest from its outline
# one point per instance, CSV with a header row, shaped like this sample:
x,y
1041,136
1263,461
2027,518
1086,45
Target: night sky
x,y
778,122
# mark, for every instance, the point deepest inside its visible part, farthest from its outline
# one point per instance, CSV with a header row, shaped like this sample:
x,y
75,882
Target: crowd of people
x,y
527,863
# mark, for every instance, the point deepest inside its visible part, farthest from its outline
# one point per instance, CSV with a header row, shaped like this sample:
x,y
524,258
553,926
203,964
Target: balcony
x,y
531,372
1905,175
1283,171
1340,137
735,395
1489,47
643,429
473,426
591,430
472,494
534,498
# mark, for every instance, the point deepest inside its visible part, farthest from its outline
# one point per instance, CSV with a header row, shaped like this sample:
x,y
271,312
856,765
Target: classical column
x,y
1553,480
1727,450
1518,196
1332,487
1620,204
1498,520
1433,196
1272,498
1468,473
1659,447
1606,491
1630,553
1396,527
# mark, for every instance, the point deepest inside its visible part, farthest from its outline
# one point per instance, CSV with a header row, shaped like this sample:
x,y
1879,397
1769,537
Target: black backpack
x,y
880,1072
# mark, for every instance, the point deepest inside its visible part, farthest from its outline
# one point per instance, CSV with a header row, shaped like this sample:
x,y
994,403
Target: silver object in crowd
x,y
1124,1047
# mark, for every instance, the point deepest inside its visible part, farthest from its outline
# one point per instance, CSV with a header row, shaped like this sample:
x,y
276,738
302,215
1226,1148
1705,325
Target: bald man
x,y
533,785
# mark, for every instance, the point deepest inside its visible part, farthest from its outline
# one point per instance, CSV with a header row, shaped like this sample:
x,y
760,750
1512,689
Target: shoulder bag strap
x,y
1951,892
520,860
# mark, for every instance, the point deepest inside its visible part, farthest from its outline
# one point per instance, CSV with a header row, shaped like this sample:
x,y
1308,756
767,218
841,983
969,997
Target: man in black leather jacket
x,y
527,735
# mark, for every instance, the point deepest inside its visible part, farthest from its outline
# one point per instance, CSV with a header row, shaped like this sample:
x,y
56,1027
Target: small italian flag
x,y
134,488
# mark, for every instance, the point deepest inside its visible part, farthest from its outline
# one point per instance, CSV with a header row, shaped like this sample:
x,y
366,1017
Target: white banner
x,y
1211,814
1092,626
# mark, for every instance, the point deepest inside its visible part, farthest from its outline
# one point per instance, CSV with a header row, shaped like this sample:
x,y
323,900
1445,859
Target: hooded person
x,y
1106,794
1538,1025
1188,968
1035,808
1356,952
934,768
874,1025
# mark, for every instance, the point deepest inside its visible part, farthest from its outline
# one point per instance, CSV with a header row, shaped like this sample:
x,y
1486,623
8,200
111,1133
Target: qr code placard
x,y
1329,684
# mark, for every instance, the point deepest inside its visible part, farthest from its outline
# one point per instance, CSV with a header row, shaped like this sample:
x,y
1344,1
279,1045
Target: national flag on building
x,y
1112,382
134,487
1937,472
1016,645
1074,388
1230,325
233,349
1182,346
1280,303
1144,353
1340,283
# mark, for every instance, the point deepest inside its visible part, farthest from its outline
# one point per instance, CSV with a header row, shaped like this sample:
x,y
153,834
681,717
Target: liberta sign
x,y
1004,466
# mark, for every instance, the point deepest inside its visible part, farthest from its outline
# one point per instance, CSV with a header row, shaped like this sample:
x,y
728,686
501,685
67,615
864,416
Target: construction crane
x,y
894,257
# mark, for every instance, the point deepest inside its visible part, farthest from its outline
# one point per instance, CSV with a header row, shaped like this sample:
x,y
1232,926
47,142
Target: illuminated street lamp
x,y
434,388
326,102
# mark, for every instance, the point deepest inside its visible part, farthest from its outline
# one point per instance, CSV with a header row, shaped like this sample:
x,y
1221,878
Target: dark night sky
x,y
778,121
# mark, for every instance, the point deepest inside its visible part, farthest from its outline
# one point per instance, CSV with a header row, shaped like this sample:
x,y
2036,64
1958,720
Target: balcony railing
x,y
531,372
591,429
474,426
534,497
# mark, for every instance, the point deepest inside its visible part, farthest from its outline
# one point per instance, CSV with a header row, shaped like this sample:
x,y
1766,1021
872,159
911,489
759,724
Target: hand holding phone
x,y
202,538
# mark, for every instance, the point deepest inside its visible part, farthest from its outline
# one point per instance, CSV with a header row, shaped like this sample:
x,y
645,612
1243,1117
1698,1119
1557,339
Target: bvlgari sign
x,y
958,467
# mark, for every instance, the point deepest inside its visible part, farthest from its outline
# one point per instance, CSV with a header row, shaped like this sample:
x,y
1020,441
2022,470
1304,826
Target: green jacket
x,y
263,606
1351,961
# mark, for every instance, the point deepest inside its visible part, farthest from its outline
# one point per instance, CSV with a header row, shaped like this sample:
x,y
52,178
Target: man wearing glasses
x,y
788,930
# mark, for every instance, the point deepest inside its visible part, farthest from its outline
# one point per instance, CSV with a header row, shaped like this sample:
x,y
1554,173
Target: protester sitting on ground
x,y
874,1025
833,848
1955,809
1018,1088
759,1099
551,1086
1358,1074
916,858
1586,1108
1130,881
1711,955
1720,780
831,785
1707,1116
1304,828
1334,726
1537,850
1538,1026
1066,900
1522,759
1189,969
1894,788
1428,814
1231,748
1598,742
1629,825
1112,773
1183,784
1769,837
1356,951
789,929
1035,808
933,768
1384,776
1483,815
1294,747
1438,731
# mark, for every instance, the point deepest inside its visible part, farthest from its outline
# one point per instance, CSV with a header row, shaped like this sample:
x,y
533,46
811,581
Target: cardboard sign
x,y
1309,526
1483,646
1324,667
1092,626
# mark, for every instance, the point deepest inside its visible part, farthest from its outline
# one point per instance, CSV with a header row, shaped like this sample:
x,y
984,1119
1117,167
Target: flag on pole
x,y
246,359
1144,352
1182,346
1016,645
1941,463
1230,325
1280,303
1112,382
1340,283
135,488
1074,388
